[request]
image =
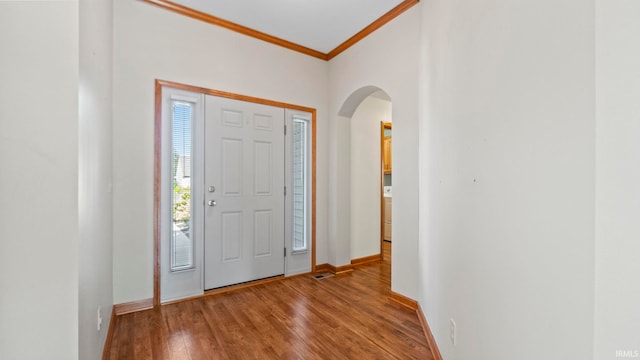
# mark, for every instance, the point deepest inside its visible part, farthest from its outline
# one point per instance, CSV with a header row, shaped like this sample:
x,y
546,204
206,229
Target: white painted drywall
x,y
507,177
365,175
617,289
39,180
151,43
388,60
94,180
339,242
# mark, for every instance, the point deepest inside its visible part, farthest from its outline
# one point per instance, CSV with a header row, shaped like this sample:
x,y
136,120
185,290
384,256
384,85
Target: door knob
x,y
212,203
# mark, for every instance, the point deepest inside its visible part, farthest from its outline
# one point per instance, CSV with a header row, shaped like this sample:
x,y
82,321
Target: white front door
x,y
244,181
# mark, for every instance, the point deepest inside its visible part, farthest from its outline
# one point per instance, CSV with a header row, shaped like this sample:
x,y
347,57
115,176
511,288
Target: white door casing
x,y
244,178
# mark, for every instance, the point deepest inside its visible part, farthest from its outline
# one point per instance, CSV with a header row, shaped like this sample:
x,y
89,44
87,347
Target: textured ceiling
x,y
321,25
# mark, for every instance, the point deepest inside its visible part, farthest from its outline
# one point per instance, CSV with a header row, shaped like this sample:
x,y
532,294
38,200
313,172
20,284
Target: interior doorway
x,y
386,193
366,177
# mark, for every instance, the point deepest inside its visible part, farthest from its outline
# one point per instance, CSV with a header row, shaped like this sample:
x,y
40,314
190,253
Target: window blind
x,y
181,237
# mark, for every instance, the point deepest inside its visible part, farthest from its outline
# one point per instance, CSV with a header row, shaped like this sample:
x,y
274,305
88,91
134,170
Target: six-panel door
x,y
244,191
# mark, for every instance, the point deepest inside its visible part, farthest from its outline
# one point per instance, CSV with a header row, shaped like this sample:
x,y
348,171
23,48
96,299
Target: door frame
x,y
383,126
157,173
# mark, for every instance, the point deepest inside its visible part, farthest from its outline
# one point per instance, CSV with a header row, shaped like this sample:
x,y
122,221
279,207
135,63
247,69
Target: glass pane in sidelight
x,y
181,237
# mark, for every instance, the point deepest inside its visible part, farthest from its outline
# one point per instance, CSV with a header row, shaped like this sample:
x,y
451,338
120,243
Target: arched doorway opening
x,y
361,145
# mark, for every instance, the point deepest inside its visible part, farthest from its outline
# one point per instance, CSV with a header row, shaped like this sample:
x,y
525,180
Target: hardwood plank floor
x,y
342,317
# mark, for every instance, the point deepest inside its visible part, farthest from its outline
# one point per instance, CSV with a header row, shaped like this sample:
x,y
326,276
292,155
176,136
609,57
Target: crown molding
x,y
198,15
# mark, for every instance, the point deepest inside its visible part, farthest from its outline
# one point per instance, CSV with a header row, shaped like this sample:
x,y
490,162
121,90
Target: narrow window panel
x,y
300,184
181,236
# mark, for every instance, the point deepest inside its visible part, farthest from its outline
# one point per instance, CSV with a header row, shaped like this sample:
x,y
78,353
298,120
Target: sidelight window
x,y
182,249
300,184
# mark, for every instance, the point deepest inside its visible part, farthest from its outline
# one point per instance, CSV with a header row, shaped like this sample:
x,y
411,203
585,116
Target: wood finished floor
x,y
342,317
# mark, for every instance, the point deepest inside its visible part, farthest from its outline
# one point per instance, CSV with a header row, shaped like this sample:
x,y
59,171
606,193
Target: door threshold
x,y
228,288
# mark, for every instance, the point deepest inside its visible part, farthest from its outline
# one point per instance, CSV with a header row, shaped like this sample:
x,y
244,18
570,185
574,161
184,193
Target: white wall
x,y
94,181
39,180
617,289
386,59
152,43
365,175
507,177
